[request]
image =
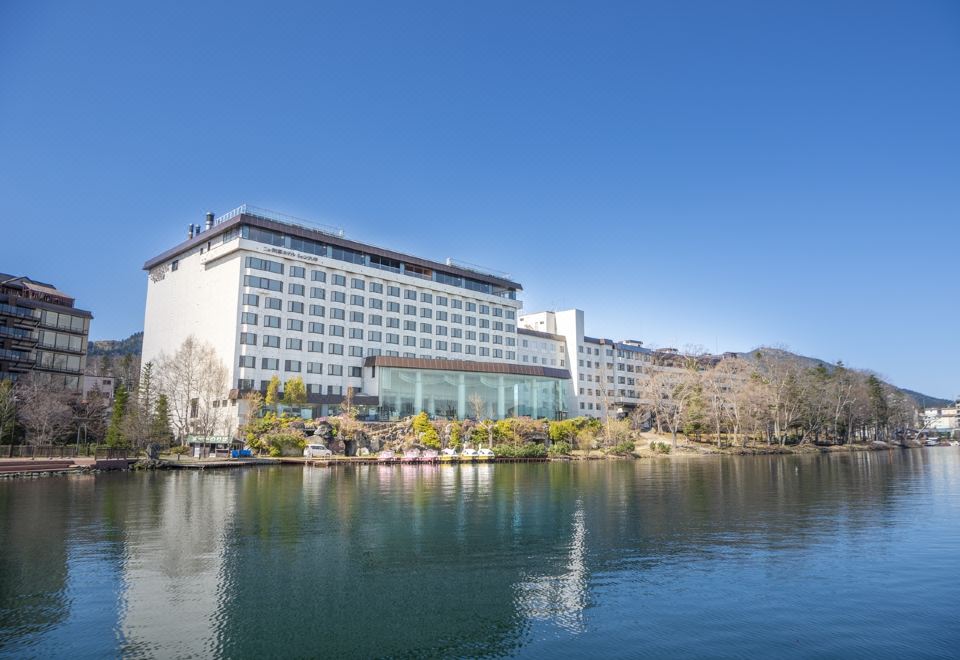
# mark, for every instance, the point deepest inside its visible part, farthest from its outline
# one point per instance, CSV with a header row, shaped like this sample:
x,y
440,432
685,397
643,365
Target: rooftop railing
x,y
282,218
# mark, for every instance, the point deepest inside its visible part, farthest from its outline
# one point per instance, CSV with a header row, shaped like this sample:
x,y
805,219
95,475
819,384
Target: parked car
x,y
316,451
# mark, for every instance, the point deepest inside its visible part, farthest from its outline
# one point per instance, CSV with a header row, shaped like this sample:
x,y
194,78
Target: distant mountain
x,y
132,345
923,400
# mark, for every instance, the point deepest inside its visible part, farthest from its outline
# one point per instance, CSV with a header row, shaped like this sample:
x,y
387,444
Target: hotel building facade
x,y
274,295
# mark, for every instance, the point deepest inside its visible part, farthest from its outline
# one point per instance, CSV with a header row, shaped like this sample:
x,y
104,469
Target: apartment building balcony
x,y
16,361
20,337
23,317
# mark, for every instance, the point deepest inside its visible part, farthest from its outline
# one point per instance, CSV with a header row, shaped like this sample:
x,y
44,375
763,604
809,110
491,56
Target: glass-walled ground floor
x,y
461,394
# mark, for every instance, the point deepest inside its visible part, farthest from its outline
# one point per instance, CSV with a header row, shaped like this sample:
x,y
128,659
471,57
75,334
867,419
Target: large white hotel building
x,y
277,296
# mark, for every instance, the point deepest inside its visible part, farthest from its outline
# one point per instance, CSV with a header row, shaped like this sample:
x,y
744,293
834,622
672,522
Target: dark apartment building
x,y
41,333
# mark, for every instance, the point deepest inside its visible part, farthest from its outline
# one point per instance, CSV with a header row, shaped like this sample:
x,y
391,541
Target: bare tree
x,y
194,380
44,411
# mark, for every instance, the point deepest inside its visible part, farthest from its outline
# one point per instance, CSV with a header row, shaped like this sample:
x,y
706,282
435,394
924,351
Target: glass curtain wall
x,y
459,394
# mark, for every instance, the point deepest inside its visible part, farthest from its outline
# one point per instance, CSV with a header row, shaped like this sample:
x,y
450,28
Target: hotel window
x,y
410,310
426,343
441,345
357,283
264,264
375,303
318,310
356,317
484,337
471,335
471,320
315,346
335,349
376,287
297,271
484,323
251,299
356,333
314,367
249,318
356,351
471,307
295,306
456,332
245,384
497,352
456,348
373,335
262,283
497,339
410,294
512,328
456,318
314,388
270,364
410,326
335,389
426,297
442,301
318,292
498,311
295,325
356,372
511,341
393,338
393,291
393,322
335,330
426,312
271,341
442,330
393,306
426,327
271,321
441,315
338,280
526,358
375,319
471,349
409,341
498,325
318,276
249,361
374,351
335,369
511,355
357,300
456,304
294,344
484,309
338,313
338,297
175,264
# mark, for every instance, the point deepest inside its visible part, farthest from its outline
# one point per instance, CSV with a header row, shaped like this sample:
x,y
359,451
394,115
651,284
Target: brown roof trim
x,y
329,239
538,333
466,365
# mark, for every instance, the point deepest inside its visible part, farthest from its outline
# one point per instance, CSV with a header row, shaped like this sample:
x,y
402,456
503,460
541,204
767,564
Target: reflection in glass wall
x,y
457,394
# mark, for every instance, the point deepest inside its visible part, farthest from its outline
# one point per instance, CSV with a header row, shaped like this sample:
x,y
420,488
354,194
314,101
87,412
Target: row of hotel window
x,y
245,384
318,328
273,341
64,321
626,355
358,284
296,307
609,366
623,394
355,257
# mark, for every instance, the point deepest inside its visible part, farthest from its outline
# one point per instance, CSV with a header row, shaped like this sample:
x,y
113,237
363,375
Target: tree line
x,y
773,398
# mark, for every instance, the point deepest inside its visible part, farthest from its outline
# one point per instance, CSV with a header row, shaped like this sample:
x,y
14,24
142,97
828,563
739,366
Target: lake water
x,y
854,555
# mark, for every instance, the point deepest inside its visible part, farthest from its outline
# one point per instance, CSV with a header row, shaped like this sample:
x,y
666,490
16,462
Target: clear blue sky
x,y
726,174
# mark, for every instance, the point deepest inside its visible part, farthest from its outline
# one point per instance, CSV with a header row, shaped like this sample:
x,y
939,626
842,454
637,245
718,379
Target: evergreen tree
x,y
273,391
160,430
294,392
115,435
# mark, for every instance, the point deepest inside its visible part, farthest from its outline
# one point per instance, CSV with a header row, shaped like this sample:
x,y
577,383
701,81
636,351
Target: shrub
x,y
426,434
528,450
179,449
660,447
587,439
569,429
622,448
456,435
559,448
277,443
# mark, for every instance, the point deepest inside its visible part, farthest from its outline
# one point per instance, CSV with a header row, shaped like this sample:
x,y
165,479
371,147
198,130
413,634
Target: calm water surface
x,y
821,556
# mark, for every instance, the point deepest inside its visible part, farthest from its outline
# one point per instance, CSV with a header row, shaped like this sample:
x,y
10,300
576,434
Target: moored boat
x,y
386,455
411,456
429,455
468,455
448,455
484,454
